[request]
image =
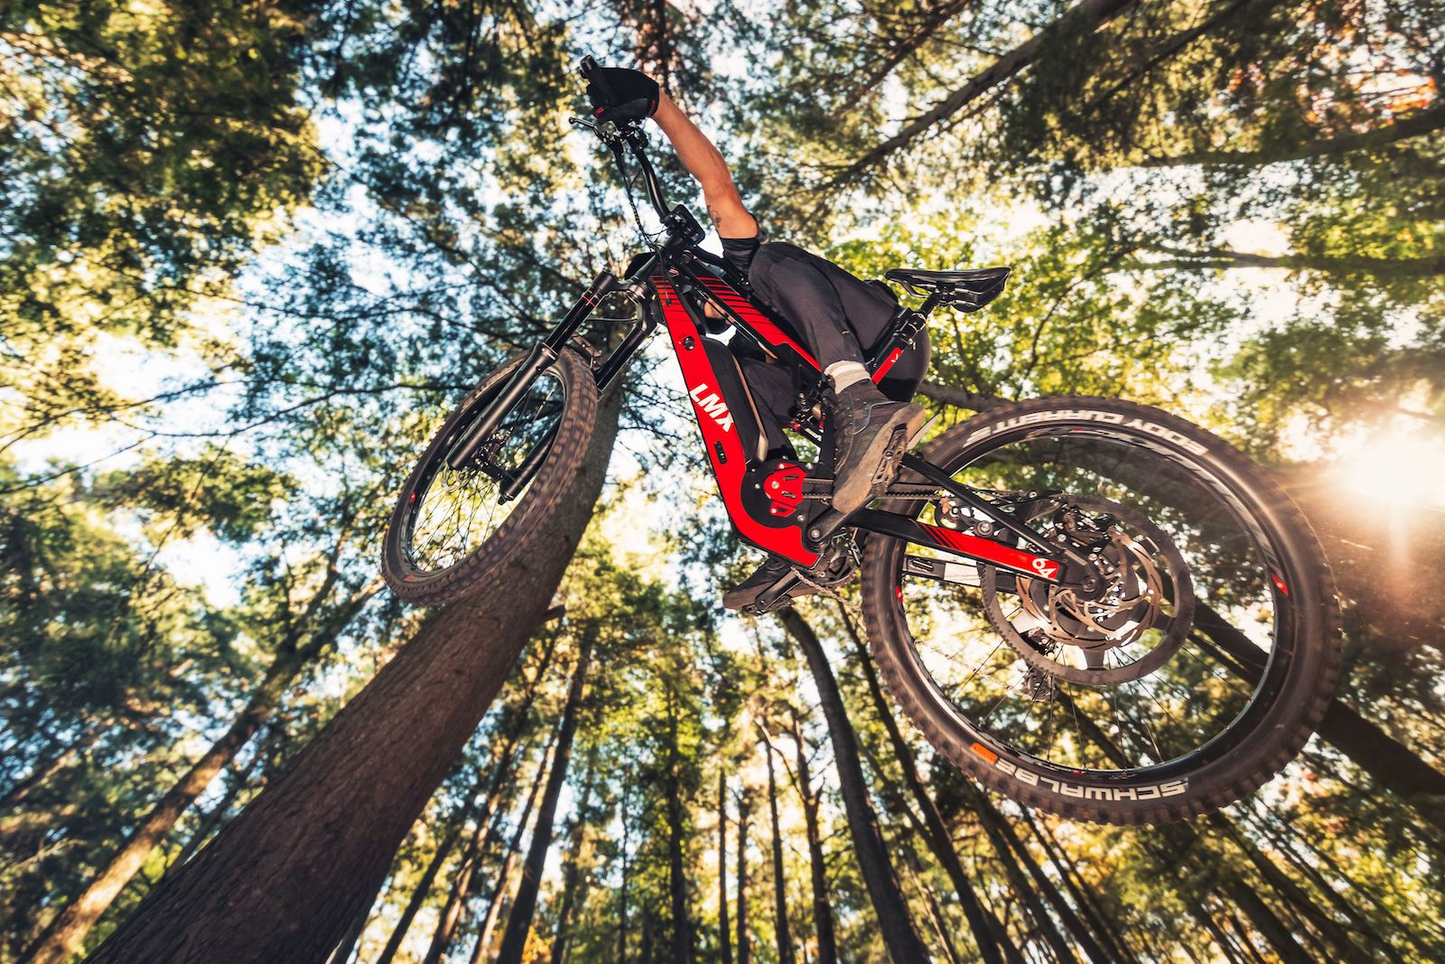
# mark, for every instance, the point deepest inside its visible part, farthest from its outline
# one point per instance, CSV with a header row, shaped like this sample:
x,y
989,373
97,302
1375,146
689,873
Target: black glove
x,y
634,95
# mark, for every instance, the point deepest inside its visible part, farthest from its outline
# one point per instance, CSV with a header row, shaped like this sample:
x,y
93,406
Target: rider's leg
x,y
820,299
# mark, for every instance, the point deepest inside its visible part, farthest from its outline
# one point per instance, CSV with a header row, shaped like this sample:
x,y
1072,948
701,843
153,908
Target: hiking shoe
x,y
871,435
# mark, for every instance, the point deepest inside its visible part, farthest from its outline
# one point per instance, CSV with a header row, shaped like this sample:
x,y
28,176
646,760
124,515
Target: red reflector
x,y
1279,584
984,752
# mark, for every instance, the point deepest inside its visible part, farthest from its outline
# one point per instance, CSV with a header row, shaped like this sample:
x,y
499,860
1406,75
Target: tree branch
x,y
960,397
1416,124
1086,15
1218,258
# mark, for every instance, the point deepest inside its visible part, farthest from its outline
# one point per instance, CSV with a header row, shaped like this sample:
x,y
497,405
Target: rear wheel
x,y
452,527
1195,669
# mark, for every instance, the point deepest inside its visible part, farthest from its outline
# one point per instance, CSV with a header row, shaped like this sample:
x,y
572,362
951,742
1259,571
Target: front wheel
x,y
1194,670
453,526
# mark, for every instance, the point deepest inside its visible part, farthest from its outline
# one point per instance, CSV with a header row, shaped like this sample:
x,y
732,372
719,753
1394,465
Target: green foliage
x,y
259,248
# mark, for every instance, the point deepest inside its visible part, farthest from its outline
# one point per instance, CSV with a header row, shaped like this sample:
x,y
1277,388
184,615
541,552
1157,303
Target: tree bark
x,y
780,892
419,894
286,877
1072,923
1096,917
745,941
1266,921
936,834
514,847
1421,122
895,920
725,939
573,886
1220,259
486,833
524,904
66,934
1086,15
960,397
239,781
676,871
1388,761
822,906
501,772
343,951
994,826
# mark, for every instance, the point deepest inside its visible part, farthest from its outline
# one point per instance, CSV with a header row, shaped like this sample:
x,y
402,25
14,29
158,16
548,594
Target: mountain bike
x,y
1090,605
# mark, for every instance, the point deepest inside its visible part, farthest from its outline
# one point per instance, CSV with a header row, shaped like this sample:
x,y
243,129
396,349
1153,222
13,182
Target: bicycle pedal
x,y
887,469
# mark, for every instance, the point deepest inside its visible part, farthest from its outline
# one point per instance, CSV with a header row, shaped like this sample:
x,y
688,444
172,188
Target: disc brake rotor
x,y
1143,600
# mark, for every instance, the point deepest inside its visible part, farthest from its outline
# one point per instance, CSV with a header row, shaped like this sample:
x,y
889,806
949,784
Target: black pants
x,y
835,315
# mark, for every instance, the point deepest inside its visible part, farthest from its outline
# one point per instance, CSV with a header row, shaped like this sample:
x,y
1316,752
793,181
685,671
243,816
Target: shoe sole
x,y
886,451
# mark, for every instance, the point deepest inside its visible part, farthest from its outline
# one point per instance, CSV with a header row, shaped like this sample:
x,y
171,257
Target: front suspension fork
x,y
543,354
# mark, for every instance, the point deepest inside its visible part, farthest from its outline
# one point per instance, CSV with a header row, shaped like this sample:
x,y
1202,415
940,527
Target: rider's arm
x,y
706,164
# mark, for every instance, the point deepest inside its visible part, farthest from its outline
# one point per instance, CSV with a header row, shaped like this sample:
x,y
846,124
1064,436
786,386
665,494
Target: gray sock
x,y
845,373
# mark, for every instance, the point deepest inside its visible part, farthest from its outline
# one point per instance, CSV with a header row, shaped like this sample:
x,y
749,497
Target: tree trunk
x,y
676,871
822,906
501,772
895,921
1421,122
239,780
1388,761
514,847
286,877
573,886
524,904
1331,929
623,812
937,836
725,938
745,940
419,894
45,769
780,893
993,826
486,833
1097,918
67,932
1075,927
343,951
1266,922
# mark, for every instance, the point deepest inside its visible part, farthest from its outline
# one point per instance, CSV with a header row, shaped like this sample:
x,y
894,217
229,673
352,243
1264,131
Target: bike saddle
x,y
969,290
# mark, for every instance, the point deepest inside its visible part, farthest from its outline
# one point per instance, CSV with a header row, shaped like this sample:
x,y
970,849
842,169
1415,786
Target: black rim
x,y
1193,709
451,512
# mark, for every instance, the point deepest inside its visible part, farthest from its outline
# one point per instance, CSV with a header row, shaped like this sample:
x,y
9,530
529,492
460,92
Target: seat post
x,y
902,330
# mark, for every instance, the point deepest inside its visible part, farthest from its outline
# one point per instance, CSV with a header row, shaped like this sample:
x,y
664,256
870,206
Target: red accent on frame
x,y
755,319
724,448
990,551
784,489
887,364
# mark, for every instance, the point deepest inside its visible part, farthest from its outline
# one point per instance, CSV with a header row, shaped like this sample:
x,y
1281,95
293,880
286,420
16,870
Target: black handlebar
x,y
614,135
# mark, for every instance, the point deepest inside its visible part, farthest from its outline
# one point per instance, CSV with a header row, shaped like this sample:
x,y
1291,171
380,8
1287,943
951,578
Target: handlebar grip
x,y
592,73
